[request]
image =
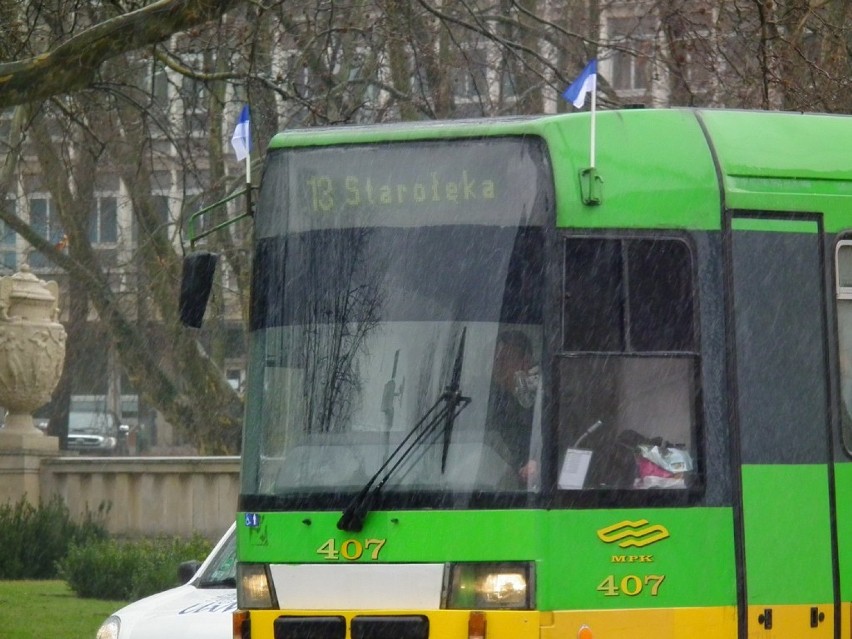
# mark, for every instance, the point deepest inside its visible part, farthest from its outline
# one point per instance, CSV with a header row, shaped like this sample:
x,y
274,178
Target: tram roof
x,y
659,167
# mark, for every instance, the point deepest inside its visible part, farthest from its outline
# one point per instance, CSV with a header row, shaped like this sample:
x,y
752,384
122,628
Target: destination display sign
x,y
498,181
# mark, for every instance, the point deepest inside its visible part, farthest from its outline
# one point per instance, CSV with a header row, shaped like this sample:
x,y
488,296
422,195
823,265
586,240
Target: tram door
x,y
782,424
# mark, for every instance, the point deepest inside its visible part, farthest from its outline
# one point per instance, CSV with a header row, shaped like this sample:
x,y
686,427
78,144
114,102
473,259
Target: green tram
x,y
496,392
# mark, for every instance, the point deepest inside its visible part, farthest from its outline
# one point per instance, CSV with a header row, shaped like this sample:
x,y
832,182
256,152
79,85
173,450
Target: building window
x,y
8,240
6,116
470,80
508,86
298,75
363,85
633,47
44,220
236,378
194,96
161,209
158,85
103,221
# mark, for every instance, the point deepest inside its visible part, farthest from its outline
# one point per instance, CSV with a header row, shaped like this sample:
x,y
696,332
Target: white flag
x,y
241,140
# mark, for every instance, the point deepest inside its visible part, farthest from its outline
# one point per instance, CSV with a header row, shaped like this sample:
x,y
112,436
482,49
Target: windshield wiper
x,y
444,411
453,397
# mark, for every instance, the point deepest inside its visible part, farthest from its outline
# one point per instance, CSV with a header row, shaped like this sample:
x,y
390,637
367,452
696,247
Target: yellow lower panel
x,y
791,622
676,623
670,623
443,624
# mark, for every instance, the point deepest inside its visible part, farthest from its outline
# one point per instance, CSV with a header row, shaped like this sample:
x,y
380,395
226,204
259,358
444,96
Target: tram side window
x,y
843,263
628,369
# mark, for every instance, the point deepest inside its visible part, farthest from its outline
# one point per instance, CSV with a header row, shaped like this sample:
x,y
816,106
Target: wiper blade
x,y
453,397
445,410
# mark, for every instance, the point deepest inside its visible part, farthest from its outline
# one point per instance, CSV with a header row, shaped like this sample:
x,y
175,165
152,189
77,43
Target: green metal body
x,y
785,529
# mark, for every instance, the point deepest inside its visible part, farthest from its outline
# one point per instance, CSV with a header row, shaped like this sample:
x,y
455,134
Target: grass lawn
x,y
41,609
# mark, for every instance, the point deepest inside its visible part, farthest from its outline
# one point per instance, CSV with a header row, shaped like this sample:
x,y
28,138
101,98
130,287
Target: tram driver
x,y
514,384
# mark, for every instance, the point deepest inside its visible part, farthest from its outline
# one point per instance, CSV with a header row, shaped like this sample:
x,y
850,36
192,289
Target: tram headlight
x,y
254,590
489,586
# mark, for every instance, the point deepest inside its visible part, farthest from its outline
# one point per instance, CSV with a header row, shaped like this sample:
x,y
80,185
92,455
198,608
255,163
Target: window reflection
x,y
844,330
362,344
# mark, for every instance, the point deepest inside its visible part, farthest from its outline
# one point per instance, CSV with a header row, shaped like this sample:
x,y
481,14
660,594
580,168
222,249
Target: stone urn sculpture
x,y
32,347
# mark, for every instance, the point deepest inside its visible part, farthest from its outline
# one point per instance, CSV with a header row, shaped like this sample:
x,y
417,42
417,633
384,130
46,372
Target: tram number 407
x,y
631,585
351,549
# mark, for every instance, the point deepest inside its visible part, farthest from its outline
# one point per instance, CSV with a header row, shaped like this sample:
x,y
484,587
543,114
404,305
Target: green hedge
x,y
42,542
130,570
33,539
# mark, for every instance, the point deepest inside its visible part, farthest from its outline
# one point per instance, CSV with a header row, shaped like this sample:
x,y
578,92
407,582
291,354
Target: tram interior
x,y
625,406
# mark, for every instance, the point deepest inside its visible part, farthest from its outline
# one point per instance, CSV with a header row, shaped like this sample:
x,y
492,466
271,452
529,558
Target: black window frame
x,y
627,497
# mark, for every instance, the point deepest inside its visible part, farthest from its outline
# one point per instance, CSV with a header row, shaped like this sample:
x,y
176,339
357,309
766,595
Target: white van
x,y
201,608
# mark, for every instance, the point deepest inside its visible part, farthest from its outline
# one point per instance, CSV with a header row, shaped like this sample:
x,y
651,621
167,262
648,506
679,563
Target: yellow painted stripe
x,y
788,622
443,624
673,623
663,623
792,622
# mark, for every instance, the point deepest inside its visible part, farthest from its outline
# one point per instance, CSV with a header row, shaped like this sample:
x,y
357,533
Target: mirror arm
x,y
194,237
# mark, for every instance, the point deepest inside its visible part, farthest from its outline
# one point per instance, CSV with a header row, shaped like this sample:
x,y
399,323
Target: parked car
x,y
93,432
94,429
199,609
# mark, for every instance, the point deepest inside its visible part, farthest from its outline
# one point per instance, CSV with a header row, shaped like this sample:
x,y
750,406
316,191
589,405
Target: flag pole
x,y
592,141
248,190
248,180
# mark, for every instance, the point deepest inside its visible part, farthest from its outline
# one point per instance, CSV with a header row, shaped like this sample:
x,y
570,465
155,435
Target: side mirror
x,y
195,286
187,570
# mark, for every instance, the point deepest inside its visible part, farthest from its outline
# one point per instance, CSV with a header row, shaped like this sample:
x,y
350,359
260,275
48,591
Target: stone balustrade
x,y
146,496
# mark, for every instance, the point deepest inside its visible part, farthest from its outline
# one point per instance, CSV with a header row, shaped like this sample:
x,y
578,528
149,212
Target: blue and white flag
x,y
241,140
586,82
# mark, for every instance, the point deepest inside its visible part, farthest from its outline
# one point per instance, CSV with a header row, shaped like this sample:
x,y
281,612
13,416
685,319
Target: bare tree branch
x,y
73,65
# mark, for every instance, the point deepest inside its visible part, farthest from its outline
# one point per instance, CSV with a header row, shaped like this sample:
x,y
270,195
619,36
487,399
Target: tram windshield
x,y
384,275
